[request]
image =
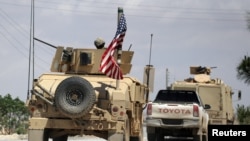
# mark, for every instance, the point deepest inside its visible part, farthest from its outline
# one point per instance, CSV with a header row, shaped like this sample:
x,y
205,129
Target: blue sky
x,y
186,33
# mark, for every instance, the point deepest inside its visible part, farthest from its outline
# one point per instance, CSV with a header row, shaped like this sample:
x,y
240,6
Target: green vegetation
x,y
243,70
243,114
13,115
243,73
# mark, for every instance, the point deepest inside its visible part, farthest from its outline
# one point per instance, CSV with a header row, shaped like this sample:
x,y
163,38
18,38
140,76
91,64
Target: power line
x,y
21,30
13,45
156,7
11,21
16,47
197,11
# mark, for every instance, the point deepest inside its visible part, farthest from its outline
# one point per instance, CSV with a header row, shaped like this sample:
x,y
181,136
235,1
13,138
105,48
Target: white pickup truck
x,y
177,114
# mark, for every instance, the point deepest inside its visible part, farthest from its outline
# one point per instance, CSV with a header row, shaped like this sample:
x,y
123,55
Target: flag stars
x,y
122,27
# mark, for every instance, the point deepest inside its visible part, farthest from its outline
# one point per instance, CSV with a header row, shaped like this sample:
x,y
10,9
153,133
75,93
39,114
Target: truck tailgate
x,y
173,111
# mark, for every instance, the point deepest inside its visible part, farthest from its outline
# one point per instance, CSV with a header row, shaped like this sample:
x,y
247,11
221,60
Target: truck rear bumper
x,y
173,123
42,123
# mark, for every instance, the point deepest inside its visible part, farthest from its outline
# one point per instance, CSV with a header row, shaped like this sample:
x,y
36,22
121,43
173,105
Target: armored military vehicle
x,y
212,91
75,98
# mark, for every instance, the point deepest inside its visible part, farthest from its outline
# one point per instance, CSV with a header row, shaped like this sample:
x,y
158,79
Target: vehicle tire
x,y
204,138
151,135
74,97
159,137
61,138
46,135
198,137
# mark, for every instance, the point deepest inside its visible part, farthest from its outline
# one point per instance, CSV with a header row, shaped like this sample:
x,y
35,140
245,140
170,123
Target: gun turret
x,y
201,70
85,61
201,74
67,53
45,43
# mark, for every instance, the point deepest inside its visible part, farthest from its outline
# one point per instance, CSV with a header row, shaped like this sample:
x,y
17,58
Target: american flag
x,y
108,64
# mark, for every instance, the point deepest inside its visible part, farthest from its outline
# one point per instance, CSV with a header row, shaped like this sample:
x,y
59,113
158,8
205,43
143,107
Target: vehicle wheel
x,y
61,138
151,137
151,133
159,137
74,97
46,135
204,138
198,137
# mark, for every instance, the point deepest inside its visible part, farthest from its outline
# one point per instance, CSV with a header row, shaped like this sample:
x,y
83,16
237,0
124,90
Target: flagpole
x,y
119,47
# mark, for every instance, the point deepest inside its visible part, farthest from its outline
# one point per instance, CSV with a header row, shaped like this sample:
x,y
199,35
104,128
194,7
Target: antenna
x,y
31,46
150,49
149,61
33,42
149,70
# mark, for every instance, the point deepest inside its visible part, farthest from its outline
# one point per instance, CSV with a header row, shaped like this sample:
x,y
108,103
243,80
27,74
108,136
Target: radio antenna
x,y
148,68
150,49
31,48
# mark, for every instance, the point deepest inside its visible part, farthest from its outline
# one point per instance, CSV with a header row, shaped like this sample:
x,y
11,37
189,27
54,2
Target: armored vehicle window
x,y
85,58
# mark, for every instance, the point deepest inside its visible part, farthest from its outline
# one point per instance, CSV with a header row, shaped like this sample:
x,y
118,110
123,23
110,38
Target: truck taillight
x,y
195,110
115,109
149,109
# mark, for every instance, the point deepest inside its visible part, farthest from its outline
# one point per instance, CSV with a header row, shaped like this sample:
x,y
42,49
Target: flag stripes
x,y
109,65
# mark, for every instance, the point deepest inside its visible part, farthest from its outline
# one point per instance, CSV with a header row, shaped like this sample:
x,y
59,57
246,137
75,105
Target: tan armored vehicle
x,y
213,92
77,99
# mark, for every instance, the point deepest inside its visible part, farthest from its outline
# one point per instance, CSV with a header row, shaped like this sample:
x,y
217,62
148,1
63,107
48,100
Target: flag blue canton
x,y
122,26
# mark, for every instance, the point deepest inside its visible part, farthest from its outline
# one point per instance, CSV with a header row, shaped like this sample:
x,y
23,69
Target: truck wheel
x,y
61,138
46,135
204,138
198,137
159,137
151,133
74,97
151,137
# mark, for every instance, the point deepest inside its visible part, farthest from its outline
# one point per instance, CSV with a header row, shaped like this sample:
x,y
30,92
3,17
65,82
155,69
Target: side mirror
x,y
207,106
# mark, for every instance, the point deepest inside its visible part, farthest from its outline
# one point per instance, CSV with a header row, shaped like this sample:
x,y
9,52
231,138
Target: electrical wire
x,y
156,9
